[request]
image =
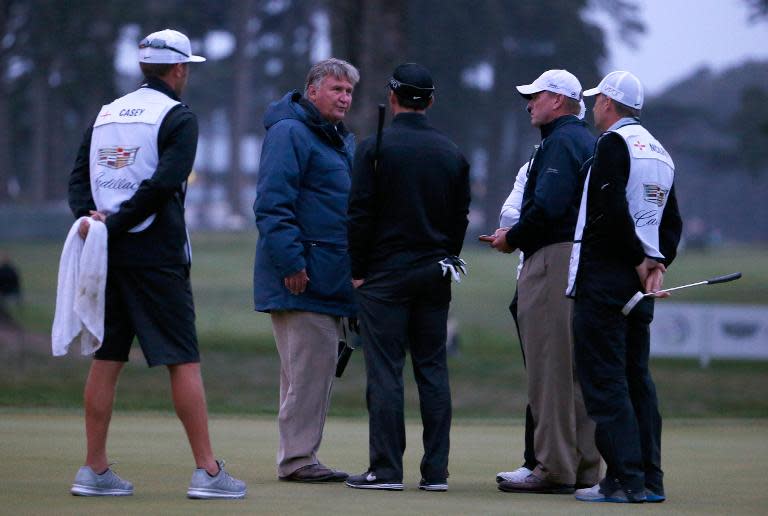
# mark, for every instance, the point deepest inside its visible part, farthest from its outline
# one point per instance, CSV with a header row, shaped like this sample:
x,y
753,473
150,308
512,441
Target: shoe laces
x,y
224,477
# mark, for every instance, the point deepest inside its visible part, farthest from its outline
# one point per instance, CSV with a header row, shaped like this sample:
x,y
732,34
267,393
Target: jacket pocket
x,y
328,268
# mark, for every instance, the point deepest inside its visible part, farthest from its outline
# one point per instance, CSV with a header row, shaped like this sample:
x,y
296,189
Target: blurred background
x,y
705,67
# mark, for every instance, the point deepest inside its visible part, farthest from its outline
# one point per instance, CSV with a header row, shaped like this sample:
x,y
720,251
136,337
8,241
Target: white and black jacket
x,y
628,211
146,228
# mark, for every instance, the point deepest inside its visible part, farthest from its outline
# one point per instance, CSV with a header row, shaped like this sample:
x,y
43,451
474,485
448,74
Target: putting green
x,y
712,467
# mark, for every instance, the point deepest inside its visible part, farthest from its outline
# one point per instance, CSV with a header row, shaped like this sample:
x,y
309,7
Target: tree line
x,y
61,62
59,65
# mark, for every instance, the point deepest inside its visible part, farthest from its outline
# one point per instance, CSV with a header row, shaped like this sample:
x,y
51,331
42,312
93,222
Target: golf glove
x,y
454,265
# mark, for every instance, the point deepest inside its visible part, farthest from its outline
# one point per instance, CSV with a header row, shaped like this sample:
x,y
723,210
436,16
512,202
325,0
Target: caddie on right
x,y
626,235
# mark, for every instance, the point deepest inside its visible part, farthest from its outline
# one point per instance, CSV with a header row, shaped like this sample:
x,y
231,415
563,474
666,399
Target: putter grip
x,y
724,279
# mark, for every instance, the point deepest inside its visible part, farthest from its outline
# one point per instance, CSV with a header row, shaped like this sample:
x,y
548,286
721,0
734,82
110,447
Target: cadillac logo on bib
x,y
117,157
654,193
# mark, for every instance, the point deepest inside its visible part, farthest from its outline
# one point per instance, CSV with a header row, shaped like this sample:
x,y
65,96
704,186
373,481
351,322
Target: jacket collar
x,y
411,118
629,120
549,128
161,86
336,133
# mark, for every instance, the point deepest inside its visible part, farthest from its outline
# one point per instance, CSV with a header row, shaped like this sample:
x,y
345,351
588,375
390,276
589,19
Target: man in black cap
x,y
407,219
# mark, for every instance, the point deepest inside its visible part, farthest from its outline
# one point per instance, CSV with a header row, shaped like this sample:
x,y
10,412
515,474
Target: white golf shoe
x,y
518,475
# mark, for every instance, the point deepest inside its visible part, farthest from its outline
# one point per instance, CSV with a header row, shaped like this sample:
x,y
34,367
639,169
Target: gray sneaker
x,y
88,483
595,494
205,487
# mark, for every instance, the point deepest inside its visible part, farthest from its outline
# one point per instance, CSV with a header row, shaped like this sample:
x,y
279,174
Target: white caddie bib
x,y
124,148
651,174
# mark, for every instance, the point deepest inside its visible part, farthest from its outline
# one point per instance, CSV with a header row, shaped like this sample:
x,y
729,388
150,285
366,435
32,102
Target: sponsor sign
x,y
709,331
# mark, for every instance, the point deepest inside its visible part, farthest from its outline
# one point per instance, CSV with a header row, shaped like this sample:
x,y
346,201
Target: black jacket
x,y
553,190
414,207
164,242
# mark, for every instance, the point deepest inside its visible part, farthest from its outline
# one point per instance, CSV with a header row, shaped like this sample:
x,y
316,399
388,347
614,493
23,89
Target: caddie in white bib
x,y
124,148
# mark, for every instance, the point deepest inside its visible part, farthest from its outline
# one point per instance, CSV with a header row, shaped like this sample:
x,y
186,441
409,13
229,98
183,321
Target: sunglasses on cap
x,y
395,84
159,44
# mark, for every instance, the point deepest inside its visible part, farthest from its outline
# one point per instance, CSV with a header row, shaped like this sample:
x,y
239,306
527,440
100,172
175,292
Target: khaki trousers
x,y
564,435
308,346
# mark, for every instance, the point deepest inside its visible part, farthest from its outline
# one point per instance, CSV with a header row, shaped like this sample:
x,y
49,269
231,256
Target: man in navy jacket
x,y
563,437
302,274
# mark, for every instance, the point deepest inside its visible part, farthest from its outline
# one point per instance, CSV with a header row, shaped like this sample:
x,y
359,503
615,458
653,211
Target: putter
x,y
639,296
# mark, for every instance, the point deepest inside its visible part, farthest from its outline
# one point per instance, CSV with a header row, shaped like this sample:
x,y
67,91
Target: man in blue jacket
x,y
302,273
563,437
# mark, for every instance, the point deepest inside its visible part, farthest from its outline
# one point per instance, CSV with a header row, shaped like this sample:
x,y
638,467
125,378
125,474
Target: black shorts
x,y
154,304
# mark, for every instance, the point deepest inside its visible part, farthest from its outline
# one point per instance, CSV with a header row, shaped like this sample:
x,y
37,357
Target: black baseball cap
x,y
412,81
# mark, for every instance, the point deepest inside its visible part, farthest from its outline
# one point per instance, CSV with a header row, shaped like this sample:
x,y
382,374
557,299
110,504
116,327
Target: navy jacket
x,y
553,191
301,210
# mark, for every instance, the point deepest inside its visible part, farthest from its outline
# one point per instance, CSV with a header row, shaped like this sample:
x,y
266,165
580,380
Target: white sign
x,y
709,331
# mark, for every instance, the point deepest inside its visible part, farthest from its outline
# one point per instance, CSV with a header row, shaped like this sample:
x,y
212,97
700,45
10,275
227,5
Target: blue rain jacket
x,y
301,210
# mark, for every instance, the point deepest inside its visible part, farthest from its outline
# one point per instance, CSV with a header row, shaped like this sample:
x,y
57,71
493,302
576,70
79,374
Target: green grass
x,y
487,381
222,283
241,367
712,467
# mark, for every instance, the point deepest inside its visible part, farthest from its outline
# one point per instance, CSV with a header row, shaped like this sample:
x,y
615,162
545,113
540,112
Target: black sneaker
x,y
433,486
368,480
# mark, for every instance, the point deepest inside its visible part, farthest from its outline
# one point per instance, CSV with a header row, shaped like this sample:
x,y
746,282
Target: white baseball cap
x,y
556,81
167,46
622,87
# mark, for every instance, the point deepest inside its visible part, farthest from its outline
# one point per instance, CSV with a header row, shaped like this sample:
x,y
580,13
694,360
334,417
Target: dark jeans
x,y
529,455
399,310
612,364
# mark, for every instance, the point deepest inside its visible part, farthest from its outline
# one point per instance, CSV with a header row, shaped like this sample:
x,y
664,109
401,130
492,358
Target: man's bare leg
x,y
189,401
99,399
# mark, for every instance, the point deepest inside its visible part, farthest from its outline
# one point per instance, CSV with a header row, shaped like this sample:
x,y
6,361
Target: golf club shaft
x,y
719,279
379,129
648,294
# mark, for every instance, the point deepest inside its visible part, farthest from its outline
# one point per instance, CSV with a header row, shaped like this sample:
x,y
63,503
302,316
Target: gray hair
x,y
572,105
339,68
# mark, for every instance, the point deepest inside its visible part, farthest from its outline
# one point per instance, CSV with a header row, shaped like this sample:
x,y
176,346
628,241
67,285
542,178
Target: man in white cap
x,y
131,173
627,233
563,438
508,217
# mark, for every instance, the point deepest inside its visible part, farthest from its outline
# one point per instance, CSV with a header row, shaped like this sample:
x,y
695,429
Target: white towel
x,y
80,291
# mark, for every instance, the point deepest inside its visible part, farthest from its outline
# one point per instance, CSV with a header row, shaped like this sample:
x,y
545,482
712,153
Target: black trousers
x,y
529,454
612,364
398,311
